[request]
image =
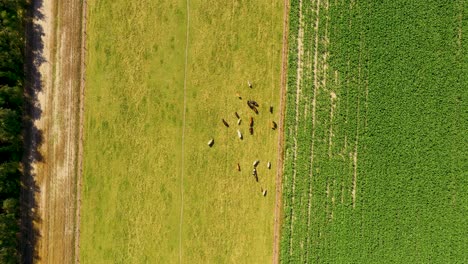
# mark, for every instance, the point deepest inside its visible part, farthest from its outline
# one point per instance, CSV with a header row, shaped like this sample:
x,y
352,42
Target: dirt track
x,y
53,132
279,174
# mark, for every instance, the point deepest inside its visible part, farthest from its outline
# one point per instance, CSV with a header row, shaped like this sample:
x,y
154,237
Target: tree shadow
x,y
32,135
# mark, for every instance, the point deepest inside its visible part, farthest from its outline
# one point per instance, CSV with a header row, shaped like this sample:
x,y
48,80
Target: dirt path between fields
x,y
279,173
52,162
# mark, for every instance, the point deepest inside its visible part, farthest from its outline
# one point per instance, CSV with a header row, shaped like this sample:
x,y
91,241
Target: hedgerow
x,y
11,109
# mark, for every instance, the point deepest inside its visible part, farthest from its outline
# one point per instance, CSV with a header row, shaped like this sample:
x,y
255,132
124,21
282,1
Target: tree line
x,y
12,42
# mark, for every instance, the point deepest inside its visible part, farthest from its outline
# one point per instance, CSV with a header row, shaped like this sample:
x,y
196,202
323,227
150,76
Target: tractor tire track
x,y
314,104
300,47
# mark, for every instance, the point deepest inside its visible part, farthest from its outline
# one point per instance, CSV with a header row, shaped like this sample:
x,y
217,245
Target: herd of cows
x,y
253,105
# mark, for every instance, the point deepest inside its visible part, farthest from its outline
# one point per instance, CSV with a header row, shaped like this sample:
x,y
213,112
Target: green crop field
x,y
376,122
153,191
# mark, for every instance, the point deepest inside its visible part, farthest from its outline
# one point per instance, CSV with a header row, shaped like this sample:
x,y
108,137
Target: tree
x,y
8,241
9,180
10,206
11,97
10,125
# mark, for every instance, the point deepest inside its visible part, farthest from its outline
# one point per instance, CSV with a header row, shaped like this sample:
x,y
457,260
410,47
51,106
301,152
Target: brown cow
x,y
237,115
238,167
271,109
251,122
225,123
255,110
251,130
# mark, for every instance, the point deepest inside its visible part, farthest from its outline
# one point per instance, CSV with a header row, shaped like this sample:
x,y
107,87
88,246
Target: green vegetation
x,y
11,104
134,109
376,163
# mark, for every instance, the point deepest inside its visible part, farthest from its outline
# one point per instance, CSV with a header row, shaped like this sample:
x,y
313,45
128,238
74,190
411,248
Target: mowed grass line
x,y
134,123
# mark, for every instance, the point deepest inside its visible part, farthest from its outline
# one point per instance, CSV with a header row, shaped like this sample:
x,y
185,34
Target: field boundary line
x,y
280,166
79,174
183,134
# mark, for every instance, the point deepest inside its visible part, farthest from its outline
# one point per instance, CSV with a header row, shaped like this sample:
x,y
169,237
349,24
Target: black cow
x,y
273,125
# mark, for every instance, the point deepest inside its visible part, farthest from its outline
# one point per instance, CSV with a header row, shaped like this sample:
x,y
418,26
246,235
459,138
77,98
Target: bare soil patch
x,y
54,91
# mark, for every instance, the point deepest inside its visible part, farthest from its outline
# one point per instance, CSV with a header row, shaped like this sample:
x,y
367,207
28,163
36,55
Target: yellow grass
x,y
134,109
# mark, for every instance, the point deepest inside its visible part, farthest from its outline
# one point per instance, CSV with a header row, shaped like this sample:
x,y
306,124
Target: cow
x,y
273,125
255,164
239,96
249,83
225,123
210,143
254,173
251,122
252,103
238,167
251,130
255,110
239,134
239,121
269,165
271,109
237,115
264,192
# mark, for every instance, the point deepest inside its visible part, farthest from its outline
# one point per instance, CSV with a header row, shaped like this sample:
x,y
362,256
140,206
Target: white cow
x,y
211,142
256,163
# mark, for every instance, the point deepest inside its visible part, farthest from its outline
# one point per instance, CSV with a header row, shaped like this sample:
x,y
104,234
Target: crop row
x,y
320,129
373,174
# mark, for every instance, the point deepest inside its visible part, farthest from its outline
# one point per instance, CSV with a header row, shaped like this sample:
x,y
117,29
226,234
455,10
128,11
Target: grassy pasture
x,y
378,173
132,193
